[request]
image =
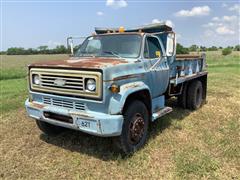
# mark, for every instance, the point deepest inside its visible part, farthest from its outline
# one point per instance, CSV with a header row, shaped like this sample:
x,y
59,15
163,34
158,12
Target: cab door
x,y
158,68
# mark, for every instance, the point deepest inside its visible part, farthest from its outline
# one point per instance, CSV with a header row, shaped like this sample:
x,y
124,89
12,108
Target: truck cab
x,y
116,84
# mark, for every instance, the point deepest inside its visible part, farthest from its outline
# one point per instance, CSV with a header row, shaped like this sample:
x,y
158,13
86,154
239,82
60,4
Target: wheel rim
x,y
136,129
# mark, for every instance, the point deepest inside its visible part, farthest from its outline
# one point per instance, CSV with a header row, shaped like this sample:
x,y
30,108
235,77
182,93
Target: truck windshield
x,y
115,45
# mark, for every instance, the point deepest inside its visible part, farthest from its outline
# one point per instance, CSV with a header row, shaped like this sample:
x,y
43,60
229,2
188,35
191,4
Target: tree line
x,y
195,48
61,49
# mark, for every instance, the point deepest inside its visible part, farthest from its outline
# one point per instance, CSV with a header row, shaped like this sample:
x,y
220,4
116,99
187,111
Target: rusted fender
x,y
117,101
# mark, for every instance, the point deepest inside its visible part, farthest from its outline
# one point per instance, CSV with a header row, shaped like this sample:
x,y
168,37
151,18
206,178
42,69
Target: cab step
x,y
161,113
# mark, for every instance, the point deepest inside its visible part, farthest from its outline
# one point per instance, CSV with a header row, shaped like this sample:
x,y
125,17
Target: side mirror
x,y
171,44
70,44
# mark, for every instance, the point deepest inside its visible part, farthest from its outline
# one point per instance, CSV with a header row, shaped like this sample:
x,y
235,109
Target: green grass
x,y
15,67
192,163
13,80
14,92
203,144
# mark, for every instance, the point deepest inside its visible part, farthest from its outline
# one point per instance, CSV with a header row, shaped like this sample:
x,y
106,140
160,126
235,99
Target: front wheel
x,y
135,127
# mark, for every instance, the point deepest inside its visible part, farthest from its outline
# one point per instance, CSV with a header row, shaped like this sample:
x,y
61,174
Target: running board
x,y
161,113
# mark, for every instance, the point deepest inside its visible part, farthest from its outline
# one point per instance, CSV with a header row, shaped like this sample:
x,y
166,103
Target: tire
x,y
182,99
135,128
195,95
49,129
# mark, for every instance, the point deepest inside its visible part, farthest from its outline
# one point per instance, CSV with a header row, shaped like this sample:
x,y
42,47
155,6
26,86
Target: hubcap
x,y
136,129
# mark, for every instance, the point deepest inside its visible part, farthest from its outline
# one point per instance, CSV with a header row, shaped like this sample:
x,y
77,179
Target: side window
x,y
152,48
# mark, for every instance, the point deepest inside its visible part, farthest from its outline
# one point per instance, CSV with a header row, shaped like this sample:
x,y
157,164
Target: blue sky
x,y
34,23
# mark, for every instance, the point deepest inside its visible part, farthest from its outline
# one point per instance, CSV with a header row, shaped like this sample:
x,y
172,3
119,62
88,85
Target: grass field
x,y
204,144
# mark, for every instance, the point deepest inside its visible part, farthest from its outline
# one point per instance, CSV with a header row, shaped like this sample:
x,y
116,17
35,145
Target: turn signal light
x,y
121,29
114,88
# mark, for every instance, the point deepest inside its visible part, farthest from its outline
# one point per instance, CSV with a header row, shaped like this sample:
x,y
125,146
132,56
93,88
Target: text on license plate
x,y
84,124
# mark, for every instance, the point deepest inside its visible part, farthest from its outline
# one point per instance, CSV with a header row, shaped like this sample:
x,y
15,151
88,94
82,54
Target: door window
x,y
152,48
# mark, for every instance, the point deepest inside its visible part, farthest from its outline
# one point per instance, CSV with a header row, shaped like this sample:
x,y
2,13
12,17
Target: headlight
x,y
36,79
91,84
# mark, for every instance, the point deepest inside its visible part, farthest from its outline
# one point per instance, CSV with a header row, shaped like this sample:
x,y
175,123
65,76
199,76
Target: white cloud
x,y
210,24
168,22
222,26
208,33
215,19
223,30
195,11
116,4
100,13
155,21
235,7
224,5
229,18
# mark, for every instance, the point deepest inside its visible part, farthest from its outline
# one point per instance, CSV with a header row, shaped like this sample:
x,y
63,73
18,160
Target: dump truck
x,y
116,84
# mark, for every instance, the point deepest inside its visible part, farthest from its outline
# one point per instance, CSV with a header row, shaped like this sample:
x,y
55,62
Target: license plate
x,y
85,124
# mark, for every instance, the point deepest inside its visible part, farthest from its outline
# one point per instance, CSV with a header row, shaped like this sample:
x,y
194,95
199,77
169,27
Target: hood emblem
x,y
59,82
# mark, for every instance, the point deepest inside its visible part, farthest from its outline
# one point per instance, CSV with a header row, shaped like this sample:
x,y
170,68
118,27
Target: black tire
x,y
195,95
135,127
182,99
49,129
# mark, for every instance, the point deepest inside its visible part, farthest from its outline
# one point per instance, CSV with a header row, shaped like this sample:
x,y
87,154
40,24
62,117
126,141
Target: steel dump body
x,y
61,97
186,66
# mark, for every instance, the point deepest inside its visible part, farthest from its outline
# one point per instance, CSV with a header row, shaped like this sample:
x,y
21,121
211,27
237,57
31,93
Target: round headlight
x,y
36,79
91,84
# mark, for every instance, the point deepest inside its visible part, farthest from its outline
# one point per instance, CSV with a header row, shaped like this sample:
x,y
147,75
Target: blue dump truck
x,y
115,84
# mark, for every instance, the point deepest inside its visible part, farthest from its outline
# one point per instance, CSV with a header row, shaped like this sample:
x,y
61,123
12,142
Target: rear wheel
x,y
49,129
195,95
135,128
182,99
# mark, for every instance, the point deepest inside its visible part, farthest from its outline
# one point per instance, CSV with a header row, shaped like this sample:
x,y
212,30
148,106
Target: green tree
x,y
193,48
237,48
61,49
43,49
181,49
226,51
16,51
213,48
203,48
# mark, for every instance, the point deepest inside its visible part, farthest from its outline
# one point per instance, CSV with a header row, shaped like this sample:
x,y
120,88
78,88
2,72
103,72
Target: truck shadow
x,y
104,148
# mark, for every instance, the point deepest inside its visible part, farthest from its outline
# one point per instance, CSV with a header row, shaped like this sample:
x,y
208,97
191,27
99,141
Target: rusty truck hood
x,y
88,63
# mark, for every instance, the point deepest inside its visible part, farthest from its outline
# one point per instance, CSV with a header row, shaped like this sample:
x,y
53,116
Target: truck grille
x,y
64,103
67,82
73,82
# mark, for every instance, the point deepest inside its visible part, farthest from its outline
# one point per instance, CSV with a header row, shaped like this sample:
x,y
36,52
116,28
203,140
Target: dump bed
x,y
151,28
186,67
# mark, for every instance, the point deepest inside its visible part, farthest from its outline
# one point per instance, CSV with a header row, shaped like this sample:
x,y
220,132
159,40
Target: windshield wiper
x,y
113,53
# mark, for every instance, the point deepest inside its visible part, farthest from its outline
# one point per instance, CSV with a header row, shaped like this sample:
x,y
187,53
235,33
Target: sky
x,y
29,24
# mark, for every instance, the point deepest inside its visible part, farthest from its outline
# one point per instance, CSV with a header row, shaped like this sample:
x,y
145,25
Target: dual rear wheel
x,y
192,95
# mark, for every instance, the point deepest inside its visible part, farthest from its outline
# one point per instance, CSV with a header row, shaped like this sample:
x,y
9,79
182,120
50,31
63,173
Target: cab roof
x,y
151,28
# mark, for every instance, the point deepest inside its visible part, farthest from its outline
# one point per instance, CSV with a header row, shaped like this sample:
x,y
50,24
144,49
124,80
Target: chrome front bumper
x,y
95,123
